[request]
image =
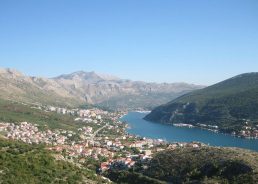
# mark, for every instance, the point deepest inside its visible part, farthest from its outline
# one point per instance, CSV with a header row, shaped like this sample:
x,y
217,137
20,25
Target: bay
x,y
143,128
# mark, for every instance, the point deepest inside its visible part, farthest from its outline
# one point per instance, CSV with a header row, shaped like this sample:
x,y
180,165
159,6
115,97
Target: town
x,y
102,137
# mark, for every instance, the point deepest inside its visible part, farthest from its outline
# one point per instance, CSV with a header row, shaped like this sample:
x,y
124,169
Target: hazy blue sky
x,y
196,41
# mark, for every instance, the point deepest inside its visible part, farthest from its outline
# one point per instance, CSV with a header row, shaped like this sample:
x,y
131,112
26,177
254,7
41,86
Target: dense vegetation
x,y
206,165
227,104
128,177
21,163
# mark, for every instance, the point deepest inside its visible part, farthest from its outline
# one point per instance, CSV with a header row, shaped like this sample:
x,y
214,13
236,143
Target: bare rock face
x,y
19,87
87,87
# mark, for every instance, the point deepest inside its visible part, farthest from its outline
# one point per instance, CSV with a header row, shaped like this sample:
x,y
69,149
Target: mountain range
x,y
230,105
88,88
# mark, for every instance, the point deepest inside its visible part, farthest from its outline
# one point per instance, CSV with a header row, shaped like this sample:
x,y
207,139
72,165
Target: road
x,y
96,132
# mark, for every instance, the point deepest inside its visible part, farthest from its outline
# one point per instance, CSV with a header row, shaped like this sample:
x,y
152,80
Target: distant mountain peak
x,y
79,74
88,76
108,77
88,87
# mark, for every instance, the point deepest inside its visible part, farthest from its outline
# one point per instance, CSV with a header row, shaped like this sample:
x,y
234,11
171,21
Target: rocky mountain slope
x,y
87,87
230,104
19,87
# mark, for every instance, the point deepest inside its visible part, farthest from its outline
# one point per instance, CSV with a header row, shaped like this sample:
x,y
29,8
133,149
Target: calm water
x,y
143,128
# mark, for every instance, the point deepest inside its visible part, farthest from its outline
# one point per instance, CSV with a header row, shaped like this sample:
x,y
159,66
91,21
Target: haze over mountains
x,y
88,87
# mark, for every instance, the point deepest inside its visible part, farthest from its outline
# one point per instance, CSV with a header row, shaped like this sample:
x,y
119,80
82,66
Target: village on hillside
x,y
103,138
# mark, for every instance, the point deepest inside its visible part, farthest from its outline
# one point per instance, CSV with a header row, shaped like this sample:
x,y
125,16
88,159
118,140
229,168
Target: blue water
x,y
138,126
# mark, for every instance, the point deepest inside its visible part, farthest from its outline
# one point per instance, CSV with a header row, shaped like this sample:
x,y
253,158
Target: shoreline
x,y
216,131
182,125
164,140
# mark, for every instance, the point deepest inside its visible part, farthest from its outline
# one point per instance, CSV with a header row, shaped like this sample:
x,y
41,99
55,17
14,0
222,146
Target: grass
x,y
14,112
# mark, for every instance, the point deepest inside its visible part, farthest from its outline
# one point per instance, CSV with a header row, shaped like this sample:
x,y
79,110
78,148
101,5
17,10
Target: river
x,y
141,127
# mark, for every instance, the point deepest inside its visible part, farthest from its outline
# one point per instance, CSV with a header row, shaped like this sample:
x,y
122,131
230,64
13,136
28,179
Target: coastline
x,y
181,134
208,128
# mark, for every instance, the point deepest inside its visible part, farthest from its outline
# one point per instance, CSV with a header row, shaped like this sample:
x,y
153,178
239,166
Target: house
x,y
172,146
104,166
109,143
52,109
159,149
137,144
148,152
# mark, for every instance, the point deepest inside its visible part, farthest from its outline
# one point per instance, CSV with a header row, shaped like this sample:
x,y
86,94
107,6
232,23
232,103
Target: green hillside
x,y
228,104
22,163
204,165
13,112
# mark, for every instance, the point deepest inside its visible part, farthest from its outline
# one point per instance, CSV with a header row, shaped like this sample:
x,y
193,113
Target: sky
x,y
193,41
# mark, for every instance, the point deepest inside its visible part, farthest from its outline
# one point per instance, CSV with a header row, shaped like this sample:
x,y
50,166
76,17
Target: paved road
x,y
97,131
